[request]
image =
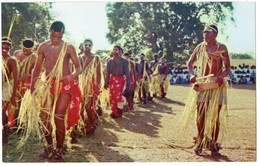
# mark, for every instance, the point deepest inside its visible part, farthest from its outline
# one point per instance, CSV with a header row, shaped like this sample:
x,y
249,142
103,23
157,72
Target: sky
x,y
242,34
88,20
239,37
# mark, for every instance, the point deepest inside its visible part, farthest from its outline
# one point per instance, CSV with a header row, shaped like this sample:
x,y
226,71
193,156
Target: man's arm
x,y
37,67
77,67
190,63
75,60
127,73
166,72
133,71
107,77
98,71
226,63
148,69
13,66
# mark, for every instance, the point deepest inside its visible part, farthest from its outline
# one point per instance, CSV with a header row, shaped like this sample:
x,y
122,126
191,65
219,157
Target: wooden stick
x,y
207,76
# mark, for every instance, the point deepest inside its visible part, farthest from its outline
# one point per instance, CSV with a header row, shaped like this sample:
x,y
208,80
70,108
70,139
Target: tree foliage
x,y
241,56
172,27
31,20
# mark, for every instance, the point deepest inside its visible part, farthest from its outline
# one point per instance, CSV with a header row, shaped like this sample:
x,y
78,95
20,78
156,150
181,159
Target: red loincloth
x,y
74,105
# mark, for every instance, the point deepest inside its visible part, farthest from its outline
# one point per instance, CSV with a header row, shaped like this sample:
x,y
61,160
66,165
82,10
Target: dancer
x,y
9,84
118,80
59,90
90,83
26,60
208,97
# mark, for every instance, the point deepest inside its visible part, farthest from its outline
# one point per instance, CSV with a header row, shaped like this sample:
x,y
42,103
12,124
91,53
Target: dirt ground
x,y
153,133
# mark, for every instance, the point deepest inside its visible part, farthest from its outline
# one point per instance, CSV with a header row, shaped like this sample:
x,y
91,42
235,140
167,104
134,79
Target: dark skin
x,y
21,55
130,99
163,69
116,55
132,72
142,91
48,53
152,65
85,60
217,64
11,70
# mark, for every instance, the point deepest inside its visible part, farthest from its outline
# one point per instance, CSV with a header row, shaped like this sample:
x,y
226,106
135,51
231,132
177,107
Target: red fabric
x,y
140,78
132,81
94,99
95,96
11,118
25,85
116,89
74,105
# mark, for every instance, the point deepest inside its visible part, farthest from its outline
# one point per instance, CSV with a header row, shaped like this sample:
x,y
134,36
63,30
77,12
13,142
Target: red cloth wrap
x,y
116,89
25,85
74,105
132,81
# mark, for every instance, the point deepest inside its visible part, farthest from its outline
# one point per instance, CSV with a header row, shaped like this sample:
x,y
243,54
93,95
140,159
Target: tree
x,y
31,20
240,56
171,27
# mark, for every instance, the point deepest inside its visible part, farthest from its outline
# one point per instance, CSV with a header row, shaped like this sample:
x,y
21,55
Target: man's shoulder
x,y
17,52
34,55
109,61
131,62
96,57
222,46
198,47
125,61
11,60
44,44
201,44
68,44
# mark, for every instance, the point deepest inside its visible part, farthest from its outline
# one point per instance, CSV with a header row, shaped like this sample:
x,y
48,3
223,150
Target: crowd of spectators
x,y
179,75
241,74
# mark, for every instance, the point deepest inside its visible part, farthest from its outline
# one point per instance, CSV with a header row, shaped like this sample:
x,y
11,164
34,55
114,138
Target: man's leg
x,y
4,123
129,103
60,110
162,90
140,94
200,120
16,114
90,111
46,120
215,133
132,99
200,126
144,97
91,120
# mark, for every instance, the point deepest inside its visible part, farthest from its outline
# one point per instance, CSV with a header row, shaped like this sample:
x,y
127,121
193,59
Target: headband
x,y
211,28
6,40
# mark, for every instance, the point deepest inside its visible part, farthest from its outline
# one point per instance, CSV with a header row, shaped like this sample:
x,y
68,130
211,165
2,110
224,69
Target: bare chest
x,y
86,61
52,56
20,56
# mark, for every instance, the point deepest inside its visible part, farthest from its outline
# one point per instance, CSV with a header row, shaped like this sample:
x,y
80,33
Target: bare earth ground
x,y
152,133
